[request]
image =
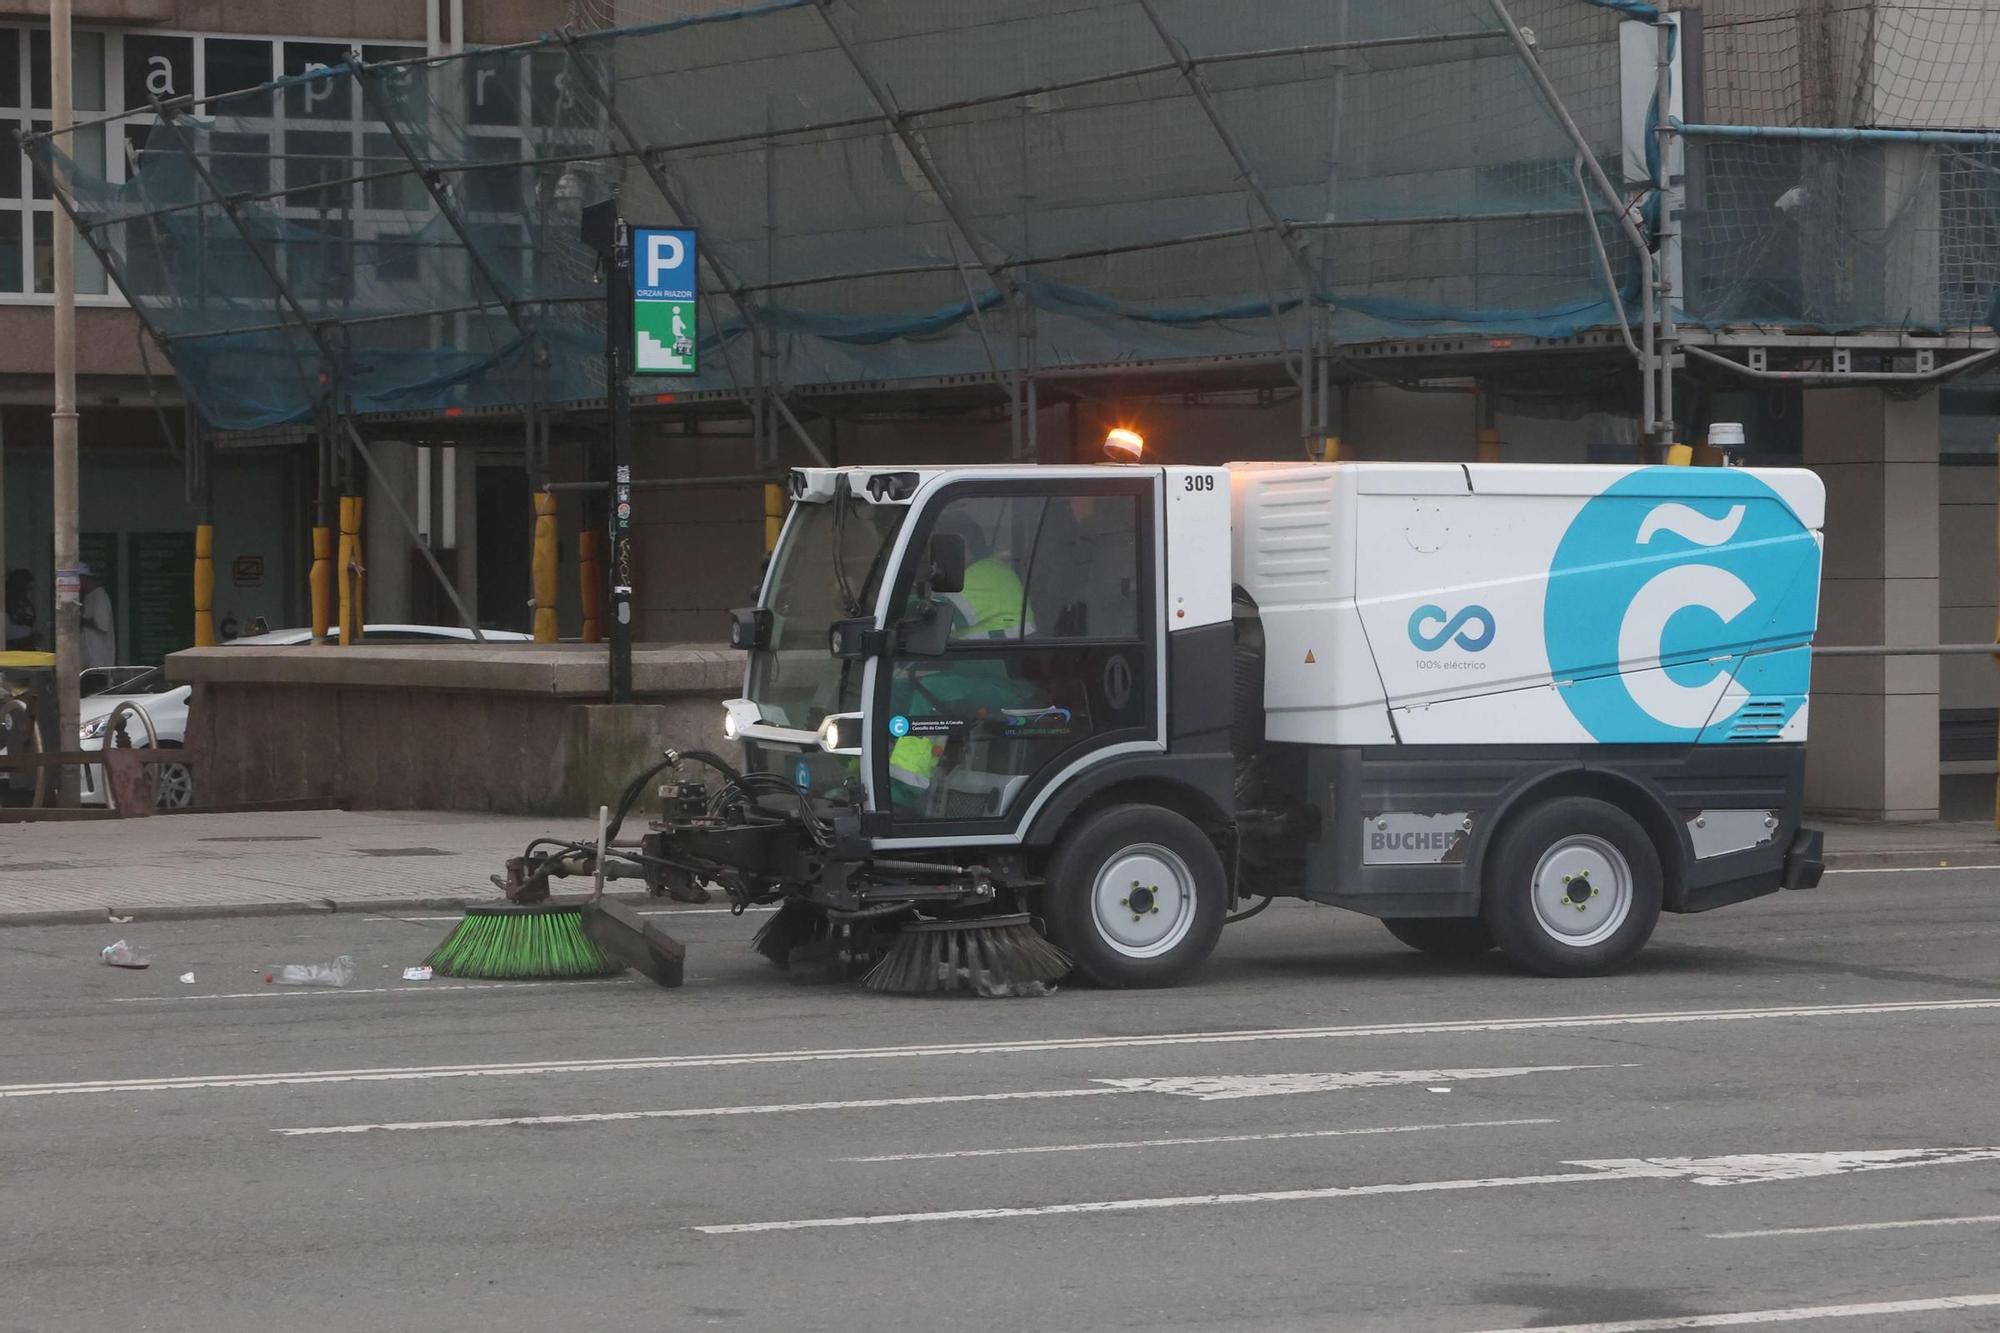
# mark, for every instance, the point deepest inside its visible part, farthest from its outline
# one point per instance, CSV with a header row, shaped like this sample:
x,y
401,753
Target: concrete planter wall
x,y
513,728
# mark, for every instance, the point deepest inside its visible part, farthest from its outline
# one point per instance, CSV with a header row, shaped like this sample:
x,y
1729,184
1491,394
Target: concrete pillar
x,y
1874,729
386,542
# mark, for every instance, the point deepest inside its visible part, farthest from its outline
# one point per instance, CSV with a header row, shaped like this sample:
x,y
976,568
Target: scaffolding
x,y
1007,199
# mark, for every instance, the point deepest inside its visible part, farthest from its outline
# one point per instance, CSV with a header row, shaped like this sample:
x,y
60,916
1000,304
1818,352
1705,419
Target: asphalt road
x,y
1783,1107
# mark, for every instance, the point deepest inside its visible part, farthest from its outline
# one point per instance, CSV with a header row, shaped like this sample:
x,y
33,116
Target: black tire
x,y
175,783
1443,937
1184,883
1582,849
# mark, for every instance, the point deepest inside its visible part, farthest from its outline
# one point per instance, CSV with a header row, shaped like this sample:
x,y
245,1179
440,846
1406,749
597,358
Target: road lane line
x,y
1797,1314
1636,1172
698,1112
1188,1142
1039,1046
1987,1219
1697,1170
1234,1087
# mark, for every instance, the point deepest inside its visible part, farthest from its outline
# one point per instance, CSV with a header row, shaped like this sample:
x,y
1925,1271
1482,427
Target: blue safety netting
x,y
889,191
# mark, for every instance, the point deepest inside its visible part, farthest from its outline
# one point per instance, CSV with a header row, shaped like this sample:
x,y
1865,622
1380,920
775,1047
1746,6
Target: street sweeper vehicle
x,y
1002,722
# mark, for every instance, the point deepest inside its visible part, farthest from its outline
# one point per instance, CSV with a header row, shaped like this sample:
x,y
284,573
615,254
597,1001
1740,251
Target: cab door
x,y
1052,662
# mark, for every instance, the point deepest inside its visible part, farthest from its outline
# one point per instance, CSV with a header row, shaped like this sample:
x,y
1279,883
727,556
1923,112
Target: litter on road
x,y
337,973
121,954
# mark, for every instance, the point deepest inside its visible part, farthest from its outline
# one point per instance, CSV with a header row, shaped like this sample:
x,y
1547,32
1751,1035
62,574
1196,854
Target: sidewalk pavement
x,y
180,866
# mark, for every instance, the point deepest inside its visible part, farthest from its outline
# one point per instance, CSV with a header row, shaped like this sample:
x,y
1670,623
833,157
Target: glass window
x,y
330,98
394,256
492,90
400,90
495,189
10,67
10,251
86,68
90,280
404,193
1046,568
229,65
37,186
314,157
241,163
156,68
10,173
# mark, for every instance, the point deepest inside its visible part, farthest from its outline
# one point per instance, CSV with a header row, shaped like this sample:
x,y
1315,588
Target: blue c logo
x,y
1685,571
899,726
802,775
1462,626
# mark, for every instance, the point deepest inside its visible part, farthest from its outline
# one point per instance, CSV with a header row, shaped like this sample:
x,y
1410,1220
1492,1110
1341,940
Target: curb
x,y
1917,858
101,916
1938,858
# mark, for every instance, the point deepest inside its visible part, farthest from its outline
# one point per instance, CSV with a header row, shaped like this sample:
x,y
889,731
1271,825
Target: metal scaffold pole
x,y
63,424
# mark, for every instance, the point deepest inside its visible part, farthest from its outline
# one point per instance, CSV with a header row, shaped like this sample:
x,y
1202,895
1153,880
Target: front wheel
x,y
1135,896
1573,888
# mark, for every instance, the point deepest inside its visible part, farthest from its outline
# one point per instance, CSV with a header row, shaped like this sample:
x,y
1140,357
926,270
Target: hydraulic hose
x,y
1246,915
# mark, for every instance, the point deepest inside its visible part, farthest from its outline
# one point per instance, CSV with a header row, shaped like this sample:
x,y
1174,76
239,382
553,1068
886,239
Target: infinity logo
x,y
1472,640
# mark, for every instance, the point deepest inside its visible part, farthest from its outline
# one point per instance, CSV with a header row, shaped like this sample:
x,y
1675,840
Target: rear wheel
x,y
1446,937
1135,896
1573,888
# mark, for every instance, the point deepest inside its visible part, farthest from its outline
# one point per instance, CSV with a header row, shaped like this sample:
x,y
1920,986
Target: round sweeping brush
x,y
515,943
992,956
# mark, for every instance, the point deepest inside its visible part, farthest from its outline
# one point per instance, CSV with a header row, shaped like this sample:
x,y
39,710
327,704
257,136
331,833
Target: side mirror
x,y
948,561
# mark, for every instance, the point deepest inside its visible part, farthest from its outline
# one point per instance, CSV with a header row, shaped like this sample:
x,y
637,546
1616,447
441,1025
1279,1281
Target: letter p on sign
x,y
665,252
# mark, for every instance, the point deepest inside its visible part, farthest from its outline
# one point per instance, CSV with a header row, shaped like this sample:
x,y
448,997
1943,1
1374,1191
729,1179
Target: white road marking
x,y
1705,1170
1189,1142
1038,1046
1228,1087
1274,1085
1987,1219
1756,1168
275,992
697,1112
1740,1319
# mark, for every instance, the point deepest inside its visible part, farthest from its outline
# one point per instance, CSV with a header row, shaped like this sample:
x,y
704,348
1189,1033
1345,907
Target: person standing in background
x,y
100,635
21,632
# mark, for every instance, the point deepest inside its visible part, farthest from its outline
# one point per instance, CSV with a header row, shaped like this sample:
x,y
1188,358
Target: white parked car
x,y
167,704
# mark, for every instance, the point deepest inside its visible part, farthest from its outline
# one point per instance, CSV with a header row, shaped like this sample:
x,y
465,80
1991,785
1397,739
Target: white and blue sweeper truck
x,y
988,710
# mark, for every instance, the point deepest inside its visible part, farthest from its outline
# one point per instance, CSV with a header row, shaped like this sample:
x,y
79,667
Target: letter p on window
x,y
663,252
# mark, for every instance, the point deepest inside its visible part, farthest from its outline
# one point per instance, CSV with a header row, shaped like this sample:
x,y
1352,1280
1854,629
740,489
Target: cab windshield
x,y
828,568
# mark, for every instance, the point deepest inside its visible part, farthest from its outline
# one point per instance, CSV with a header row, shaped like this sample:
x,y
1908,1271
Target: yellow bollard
x,y
204,585
544,568
1329,450
360,573
320,583
1680,455
590,579
345,568
774,514
1489,445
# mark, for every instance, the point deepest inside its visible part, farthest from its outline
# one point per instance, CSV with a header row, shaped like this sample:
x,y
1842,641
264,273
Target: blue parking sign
x,y
664,332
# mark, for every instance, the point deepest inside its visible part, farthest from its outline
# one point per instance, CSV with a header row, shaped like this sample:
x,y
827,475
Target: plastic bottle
x,y
339,972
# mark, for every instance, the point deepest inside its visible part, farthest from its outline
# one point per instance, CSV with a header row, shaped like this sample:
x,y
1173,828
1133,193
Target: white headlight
x,y
829,735
92,729
729,727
